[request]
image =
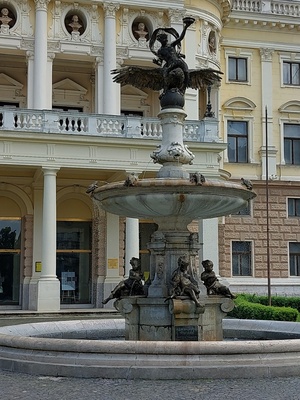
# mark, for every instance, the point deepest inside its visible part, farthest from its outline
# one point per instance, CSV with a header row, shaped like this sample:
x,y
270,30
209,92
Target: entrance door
x,y
10,248
73,261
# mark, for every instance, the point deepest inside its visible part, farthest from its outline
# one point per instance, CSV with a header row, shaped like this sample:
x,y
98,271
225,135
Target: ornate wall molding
x,y
110,9
266,54
41,4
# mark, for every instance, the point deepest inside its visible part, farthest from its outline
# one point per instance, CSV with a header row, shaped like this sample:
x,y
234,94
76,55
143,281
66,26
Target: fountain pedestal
x,y
158,317
155,319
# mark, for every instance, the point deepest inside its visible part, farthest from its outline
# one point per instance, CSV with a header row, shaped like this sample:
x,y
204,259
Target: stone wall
x,y
282,230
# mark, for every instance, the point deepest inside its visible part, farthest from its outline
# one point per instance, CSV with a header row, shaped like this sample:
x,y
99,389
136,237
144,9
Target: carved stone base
x,y
216,308
145,318
186,319
155,319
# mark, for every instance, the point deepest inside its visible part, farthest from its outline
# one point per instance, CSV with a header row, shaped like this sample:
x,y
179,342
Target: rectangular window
x,y
292,144
291,73
237,68
73,261
294,257
241,259
237,137
294,207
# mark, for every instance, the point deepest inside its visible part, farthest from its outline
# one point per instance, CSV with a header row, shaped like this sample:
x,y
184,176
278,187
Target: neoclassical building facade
x,y
65,124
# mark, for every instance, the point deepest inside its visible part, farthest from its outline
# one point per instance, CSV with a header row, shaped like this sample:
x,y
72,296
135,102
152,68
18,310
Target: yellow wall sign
x,y
113,263
38,266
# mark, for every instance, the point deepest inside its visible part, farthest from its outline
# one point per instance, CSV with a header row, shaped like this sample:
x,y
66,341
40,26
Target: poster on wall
x,y
68,280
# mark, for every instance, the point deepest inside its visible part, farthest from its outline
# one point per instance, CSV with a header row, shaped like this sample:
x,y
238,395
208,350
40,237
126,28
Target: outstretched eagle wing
x,y
151,78
201,78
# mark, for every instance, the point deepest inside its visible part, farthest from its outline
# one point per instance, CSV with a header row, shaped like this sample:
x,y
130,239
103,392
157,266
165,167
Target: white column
x,y
41,78
112,254
37,226
111,103
208,237
48,284
37,246
30,78
50,59
99,85
49,225
175,17
267,101
132,242
191,95
267,84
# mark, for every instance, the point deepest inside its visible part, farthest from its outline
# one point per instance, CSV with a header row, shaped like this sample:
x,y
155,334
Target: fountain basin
x,y
173,198
47,349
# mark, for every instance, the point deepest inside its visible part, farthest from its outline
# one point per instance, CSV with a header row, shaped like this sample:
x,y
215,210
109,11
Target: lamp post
x,y
267,212
209,113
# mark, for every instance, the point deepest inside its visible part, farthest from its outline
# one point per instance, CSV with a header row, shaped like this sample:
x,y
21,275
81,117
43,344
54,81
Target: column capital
x,y
99,60
176,15
50,170
50,56
41,4
29,55
110,9
266,54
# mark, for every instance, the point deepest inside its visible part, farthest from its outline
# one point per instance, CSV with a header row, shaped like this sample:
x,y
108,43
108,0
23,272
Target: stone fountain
x,y
173,200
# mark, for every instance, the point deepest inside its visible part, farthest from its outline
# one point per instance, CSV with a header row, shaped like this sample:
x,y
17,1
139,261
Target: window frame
x,y
291,62
282,122
295,207
289,258
292,58
239,54
285,123
237,69
251,258
231,135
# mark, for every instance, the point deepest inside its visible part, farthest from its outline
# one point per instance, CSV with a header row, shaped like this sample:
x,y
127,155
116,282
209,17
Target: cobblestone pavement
x,y
20,386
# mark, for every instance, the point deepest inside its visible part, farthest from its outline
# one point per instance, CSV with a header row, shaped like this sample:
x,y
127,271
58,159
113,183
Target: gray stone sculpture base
x,y
154,319
216,308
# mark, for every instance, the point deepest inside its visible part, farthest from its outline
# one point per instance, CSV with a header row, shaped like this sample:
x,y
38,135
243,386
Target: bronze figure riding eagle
x,y
173,72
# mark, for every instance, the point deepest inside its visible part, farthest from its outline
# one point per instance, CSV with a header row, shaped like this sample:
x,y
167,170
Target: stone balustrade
x,y
290,8
75,123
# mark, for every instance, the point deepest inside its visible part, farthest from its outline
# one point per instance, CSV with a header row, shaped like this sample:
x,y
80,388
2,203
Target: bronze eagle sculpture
x,y
173,72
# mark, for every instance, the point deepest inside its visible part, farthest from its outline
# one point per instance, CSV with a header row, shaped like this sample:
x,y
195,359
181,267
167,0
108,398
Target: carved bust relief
x,y
74,23
7,19
140,30
212,42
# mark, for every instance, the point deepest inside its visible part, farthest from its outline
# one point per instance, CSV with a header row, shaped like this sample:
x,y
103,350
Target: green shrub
x,y
249,307
277,301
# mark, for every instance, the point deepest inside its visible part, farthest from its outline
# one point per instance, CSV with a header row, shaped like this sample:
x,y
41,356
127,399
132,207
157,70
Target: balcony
x,y
74,123
290,8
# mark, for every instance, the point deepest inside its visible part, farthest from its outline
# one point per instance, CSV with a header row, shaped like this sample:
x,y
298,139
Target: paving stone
x,y
21,386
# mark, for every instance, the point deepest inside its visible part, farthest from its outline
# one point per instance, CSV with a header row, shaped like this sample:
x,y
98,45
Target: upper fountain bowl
x,y
160,198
